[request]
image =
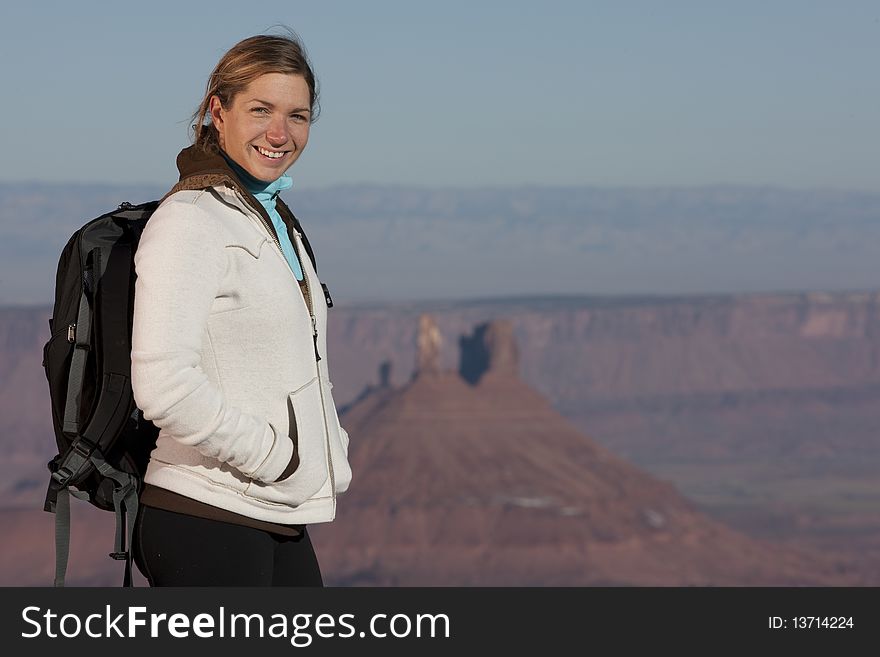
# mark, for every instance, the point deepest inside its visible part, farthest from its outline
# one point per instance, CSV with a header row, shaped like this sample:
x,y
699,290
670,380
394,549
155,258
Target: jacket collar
x,y
200,169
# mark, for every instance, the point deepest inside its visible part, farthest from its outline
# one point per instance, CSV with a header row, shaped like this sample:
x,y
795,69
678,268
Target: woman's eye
x,y
260,110
298,117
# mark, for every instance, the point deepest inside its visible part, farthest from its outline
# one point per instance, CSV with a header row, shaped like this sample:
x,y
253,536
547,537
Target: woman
x,y
229,355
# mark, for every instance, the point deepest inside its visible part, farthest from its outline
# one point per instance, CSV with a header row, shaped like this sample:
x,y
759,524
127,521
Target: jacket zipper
x,y
309,305
269,230
296,244
308,291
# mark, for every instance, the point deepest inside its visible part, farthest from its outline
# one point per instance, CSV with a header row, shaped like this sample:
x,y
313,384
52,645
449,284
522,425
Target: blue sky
x,y
781,93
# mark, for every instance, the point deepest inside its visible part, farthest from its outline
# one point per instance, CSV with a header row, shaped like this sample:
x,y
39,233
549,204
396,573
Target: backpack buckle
x,y
119,556
62,475
83,447
80,453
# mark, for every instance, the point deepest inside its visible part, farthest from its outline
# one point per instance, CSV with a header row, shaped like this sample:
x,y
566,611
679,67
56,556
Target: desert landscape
x,y
688,440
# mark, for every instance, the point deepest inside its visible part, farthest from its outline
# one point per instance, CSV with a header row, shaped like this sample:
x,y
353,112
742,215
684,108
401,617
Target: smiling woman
x,y
245,63
229,343
266,126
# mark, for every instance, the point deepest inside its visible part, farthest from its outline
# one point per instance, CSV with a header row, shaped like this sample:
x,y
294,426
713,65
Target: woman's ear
x,y
215,108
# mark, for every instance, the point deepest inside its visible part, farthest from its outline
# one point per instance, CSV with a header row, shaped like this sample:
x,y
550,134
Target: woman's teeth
x,y
273,154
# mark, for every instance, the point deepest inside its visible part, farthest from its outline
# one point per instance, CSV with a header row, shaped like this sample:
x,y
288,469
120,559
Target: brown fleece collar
x,y
200,170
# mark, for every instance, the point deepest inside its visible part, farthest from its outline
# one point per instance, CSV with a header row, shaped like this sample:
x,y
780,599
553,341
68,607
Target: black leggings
x,y
174,549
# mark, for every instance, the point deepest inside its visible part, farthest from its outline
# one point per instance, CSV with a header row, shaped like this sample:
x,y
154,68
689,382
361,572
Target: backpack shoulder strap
x,y
291,220
67,464
112,301
80,336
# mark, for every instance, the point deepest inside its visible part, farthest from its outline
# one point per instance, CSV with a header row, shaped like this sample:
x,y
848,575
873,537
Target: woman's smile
x,y
272,155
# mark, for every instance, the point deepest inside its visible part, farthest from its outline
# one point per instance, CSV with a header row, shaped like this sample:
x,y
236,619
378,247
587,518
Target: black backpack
x,y
103,440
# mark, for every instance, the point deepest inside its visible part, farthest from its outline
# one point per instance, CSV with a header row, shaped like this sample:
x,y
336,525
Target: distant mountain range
x,y
394,243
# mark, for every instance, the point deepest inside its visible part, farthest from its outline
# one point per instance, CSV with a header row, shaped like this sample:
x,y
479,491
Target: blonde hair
x,y
242,64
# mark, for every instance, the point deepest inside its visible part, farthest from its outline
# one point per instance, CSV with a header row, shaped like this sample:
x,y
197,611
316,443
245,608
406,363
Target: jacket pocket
x,y
310,440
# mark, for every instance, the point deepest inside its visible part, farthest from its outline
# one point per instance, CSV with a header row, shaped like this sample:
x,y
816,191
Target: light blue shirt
x,y
265,193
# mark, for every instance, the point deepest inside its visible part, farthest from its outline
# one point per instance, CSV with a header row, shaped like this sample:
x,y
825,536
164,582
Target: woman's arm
x,y
180,263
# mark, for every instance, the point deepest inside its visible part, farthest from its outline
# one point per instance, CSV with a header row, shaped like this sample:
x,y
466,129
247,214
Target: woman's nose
x,y
277,132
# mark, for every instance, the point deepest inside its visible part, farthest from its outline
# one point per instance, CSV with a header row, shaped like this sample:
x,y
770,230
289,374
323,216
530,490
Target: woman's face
x,y
266,126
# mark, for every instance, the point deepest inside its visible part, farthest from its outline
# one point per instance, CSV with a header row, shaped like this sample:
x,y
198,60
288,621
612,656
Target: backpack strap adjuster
x,y
80,453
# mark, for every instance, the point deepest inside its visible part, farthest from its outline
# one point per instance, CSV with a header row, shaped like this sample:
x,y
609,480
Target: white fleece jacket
x,y
223,362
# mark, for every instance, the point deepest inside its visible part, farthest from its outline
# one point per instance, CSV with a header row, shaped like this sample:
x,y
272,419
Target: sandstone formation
x,y
484,483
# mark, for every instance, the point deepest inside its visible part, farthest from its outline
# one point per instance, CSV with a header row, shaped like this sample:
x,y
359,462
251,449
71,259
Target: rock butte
x,y
470,477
